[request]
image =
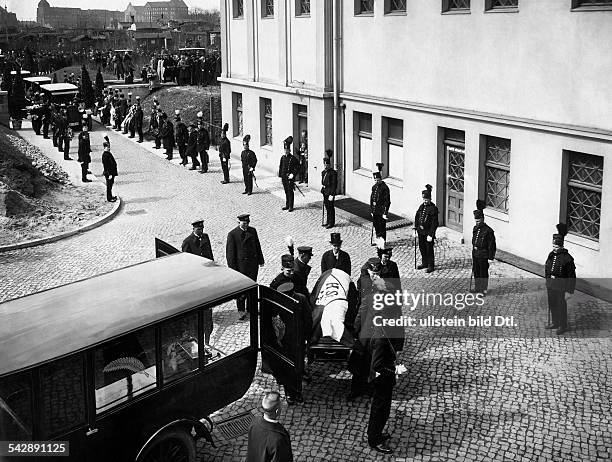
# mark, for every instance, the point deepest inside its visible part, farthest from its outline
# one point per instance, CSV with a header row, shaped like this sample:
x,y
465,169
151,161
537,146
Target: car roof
x,y
39,78
69,318
59,87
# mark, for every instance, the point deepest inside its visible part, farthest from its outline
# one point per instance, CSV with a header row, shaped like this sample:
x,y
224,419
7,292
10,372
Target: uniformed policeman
x,y
84,156
560,273
483,249
166,132
249,161
426,223
301,269
198,242
138,117
286,171
225,149
181,137
388,268
380,201
203,143
329,186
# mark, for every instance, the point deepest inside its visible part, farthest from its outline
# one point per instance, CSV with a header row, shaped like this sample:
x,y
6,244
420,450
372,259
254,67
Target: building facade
x,y
8,20
509,101
76,18
157,11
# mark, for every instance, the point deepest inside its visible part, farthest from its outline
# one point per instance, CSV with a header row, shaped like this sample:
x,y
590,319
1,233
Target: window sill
x,y
580,9
238,17
502,10
267,17
396,13
497,215
582,242
457,12
361,15
266,147
363,172
298,16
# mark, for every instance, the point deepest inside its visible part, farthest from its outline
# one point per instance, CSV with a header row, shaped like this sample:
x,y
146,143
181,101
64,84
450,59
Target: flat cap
x,y
198,224
305,249
244,217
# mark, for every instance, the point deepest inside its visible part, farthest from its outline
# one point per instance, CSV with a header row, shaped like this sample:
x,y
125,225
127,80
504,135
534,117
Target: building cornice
x,y
292,90
530,124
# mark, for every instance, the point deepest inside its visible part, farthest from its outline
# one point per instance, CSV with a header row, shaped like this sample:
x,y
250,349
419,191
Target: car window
x,y
62,391
179,347
16,407
124,369
224,333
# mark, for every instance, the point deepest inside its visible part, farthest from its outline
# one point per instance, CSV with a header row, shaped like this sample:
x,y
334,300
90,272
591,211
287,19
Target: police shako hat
x,y
559,236
385,251
480,206
305,249
198,224
335,239
246,139
426,193
244,217
287,261
286,288
288,141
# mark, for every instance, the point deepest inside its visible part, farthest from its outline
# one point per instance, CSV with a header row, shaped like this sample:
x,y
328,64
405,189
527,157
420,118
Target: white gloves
x,y
429,238
414,232
331,198
400,369
290,176
384,216
250,169
223,159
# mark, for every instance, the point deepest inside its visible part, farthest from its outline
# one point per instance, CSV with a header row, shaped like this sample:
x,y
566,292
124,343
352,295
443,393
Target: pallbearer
x,y
483,249
560,273
426,223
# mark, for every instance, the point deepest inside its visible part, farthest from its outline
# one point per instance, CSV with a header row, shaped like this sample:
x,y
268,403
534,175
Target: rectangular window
x,y
455,5
394,147
595,4
124,369
179,340
395,6
238,8
364,140
365,7
237,103
497,173
584,187
302,7
16,409
62,389
265,107
267,7
501,5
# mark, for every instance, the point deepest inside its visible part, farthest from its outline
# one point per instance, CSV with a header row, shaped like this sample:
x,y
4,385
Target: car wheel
x,y
171,446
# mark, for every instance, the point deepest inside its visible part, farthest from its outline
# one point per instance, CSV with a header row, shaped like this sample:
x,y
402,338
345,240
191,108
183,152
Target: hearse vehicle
x,y
117,366
64,93
35,82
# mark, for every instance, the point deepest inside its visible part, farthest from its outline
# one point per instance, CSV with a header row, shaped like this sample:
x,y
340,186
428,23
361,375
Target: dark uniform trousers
x,y
330,210
427,251
66,147
381,407
45,127
288,187
109,187
224,167
480,266
84,170
558,306
380,225
204,160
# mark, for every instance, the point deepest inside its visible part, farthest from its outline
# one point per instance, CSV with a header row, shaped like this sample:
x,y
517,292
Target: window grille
x,y
303,7
268,8
268,121
497,173
584,188
366,6
396,6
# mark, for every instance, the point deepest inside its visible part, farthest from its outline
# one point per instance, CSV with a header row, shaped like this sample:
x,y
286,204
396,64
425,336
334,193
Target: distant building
x,y
157,11
8,20
75,18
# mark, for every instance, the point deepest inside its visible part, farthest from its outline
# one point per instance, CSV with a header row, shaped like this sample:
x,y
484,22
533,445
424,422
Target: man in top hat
x,y
203,143
249,161
336,257
268,439
560,273
192,147
198,242
380,201
167,135
181,137
84,156
225,149
329,185
110,171
287,273
138,117
483,249
301,269
388,268
243,253
287,170
426,223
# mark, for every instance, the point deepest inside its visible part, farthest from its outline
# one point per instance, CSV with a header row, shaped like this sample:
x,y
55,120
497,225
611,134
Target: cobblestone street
x,y
521,398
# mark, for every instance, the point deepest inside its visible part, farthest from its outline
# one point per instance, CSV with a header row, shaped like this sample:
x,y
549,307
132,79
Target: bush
x,y
87,91
99,85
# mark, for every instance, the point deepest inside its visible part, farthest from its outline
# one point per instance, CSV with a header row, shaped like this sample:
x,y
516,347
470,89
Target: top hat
x,y
385,251
480,206
559,237
335,239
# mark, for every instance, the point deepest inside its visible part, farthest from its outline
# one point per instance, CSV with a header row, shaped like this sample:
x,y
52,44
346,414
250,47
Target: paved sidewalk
x,y
541,398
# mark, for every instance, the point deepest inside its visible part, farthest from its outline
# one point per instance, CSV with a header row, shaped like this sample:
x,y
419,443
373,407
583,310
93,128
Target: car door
x,y
162,248
281,337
